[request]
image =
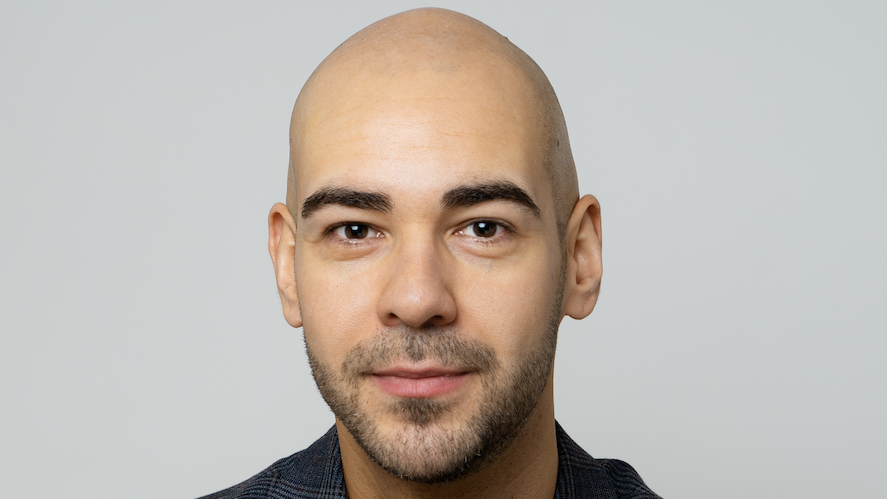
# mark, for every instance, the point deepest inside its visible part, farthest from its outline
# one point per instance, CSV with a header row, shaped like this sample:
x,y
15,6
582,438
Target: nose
x,y
417,292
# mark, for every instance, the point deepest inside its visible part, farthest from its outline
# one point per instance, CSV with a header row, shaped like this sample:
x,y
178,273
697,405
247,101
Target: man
x,y
432,240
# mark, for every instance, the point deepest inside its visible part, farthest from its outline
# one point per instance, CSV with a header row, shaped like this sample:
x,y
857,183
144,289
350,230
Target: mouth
x,y
420,381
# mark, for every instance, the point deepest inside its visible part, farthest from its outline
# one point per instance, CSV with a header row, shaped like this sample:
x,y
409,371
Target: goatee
x,y
427,447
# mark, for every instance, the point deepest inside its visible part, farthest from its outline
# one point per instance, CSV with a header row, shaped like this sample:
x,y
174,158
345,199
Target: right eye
x,y
354,230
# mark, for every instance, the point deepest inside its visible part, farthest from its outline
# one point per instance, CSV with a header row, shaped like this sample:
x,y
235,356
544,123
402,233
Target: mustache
x,y
443,345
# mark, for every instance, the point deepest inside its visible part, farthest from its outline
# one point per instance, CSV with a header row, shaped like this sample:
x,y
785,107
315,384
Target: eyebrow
x,y
365,200
458,197
470,195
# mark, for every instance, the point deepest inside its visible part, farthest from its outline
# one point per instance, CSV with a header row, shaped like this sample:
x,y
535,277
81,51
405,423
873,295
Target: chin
x,y
426,444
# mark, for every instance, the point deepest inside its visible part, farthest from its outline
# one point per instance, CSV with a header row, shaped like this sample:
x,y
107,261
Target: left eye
x,y
483,228
353,230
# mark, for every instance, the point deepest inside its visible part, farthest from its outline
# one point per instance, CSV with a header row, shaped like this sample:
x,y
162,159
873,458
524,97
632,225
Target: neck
x,y
526,469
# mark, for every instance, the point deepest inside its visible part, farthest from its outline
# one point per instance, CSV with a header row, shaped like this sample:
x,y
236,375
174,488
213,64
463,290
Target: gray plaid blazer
x,y
316,473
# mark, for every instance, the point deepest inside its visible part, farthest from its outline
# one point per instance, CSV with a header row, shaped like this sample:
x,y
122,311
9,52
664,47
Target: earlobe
x,y
281,246
584,265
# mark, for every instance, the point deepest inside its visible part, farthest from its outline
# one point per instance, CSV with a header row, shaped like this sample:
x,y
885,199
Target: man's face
x,y
428,268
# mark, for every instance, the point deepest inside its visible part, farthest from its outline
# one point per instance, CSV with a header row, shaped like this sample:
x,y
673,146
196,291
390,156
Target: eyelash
x,y
348,241
502,230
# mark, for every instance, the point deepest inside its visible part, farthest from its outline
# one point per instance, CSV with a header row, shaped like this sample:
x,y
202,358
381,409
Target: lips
x,y
416,381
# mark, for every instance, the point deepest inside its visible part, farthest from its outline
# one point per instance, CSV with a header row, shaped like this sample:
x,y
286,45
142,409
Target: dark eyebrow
x,y
375,201
470,195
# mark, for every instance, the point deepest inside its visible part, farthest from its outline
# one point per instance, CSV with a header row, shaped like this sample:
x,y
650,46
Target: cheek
x,y
335,316
510,308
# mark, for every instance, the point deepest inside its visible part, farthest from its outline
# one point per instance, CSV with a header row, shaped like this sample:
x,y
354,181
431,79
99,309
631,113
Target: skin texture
x,y
433,230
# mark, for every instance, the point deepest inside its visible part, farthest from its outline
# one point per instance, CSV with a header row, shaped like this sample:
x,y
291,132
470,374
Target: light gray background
x,y
738,150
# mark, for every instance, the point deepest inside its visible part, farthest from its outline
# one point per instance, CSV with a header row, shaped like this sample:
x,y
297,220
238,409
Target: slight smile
x,y
419,382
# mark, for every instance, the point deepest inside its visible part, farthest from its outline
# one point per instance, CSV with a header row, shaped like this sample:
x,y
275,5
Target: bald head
x,y
422,64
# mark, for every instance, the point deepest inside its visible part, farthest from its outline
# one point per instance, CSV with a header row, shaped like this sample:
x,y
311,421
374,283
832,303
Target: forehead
x,y
424,133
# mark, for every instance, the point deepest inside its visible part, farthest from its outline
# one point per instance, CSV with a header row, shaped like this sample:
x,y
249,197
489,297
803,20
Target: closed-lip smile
x,y
420,380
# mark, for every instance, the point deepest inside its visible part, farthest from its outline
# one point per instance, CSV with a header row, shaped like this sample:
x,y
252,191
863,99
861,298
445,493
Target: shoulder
x,y
313,473
582,476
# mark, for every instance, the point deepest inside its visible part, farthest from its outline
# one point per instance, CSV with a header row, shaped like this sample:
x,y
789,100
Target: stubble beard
x,y
428,447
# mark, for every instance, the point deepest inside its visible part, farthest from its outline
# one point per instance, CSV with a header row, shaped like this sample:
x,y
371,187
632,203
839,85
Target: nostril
x,y
433,322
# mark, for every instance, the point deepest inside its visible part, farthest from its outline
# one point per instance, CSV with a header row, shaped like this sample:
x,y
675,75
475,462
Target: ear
x,y
584,265
282,246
